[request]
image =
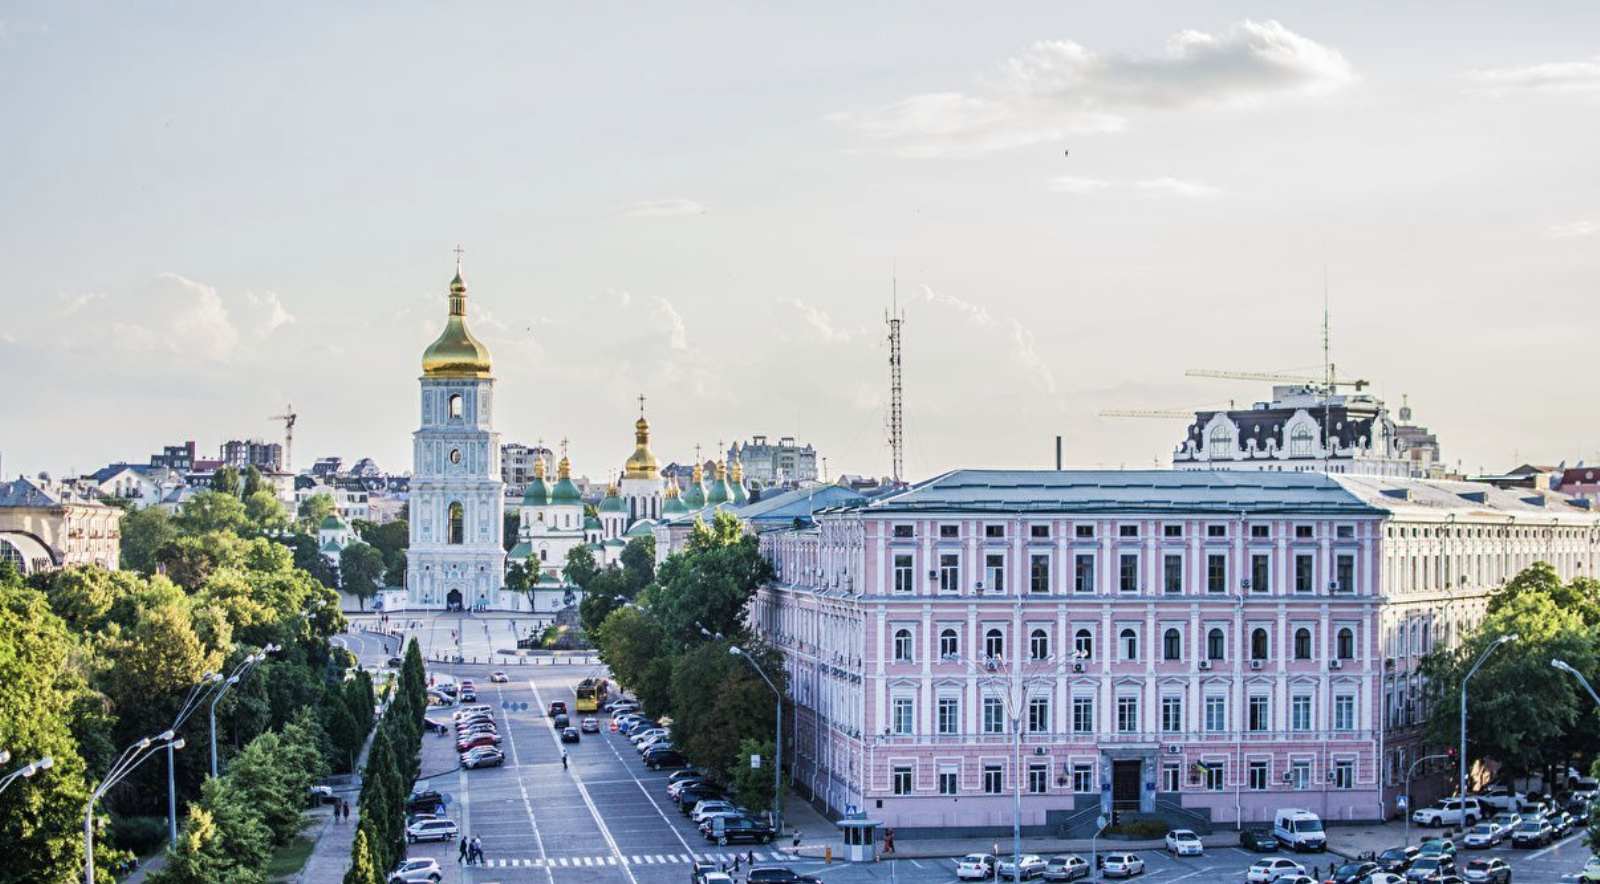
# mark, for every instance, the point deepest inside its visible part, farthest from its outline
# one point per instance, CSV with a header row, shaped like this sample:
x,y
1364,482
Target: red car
x,y
479,740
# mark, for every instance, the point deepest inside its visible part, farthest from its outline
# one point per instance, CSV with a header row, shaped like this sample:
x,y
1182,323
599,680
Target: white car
x,y
1483,835
1447,813
704,809
416,871
1032,867
975,867
1122,865
646,734
1182,842
1069,867
432,830
1265,871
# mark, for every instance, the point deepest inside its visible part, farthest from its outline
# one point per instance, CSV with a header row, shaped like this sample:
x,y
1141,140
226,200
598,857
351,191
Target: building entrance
x,y
453,600
1126,779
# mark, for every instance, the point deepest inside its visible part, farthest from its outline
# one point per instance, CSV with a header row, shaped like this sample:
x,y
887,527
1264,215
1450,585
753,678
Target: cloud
x,y
664,208
79,302
1026,357
1561,76
1069,184
973,313
1168,186
1054,88
820,322
174,316
269,313
671,320
1567,229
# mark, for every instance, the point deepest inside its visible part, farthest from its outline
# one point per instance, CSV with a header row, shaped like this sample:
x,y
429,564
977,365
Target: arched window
x,y
902,645
949,643
1216,645
455,405
458,524
1258,644
1171,645
1301,440
1083,644
1038,645
1302,644
1129,640
1347,644
994,644
1221,444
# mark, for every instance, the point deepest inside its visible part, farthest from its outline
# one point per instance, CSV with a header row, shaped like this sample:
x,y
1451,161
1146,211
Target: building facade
x,y
45,526
784,463
241,454
1303,429
1212,644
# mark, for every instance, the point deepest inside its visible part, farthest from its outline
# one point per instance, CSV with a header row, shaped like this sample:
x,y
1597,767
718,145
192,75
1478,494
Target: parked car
x,y
1507,820
665,756
1350,873
1532,833
1122,865
1066,868
689,799
1430,868
1448,813
1258,839
1183,842
1492,870
416,871
1396,860
1581,809
1483,835
676,786
1502,798
396,662
424,802
976,867
1265,871
469,694
731,829
1561,822
1032,866
483,757
1385,878
1437,847
1299,829
499,677
705,809
431,830
477,740
1591,871
590,726
778,875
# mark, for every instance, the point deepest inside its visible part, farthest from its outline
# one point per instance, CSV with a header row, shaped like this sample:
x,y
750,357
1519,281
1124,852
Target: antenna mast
x,y
1327,368
897,440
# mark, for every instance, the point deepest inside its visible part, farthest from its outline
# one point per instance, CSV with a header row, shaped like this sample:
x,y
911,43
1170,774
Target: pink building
x,y
1208,646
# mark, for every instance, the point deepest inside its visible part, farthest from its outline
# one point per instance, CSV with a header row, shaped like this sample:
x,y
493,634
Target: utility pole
x,y
897,441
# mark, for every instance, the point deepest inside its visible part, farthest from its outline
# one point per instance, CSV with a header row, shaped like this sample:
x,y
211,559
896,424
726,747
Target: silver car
x,y
1122,865
1032,867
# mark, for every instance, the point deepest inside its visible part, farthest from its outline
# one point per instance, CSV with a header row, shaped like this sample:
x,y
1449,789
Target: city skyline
x,y
188,254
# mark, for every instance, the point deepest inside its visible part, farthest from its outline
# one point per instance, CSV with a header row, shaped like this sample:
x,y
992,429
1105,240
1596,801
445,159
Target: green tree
x,y
190,559
212,511
143,532
363,867
360,569
1582,595
226,481
153,668
252,482
740,704
631,644
244,839
263,775
344,733
314,509
752,785
265,512
638,565
308,557
510,527
580,568
198,858
710,583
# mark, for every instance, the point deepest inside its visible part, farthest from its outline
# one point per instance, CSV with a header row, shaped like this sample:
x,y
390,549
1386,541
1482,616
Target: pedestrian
x,y
563,759
463,857
477,850
888,840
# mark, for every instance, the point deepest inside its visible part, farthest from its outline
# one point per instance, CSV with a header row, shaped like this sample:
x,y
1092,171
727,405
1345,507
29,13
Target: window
x,y
1216,645
1172,574
1344,774
1082,778
1304,532
1171,530
1344,712
1039,532
1216,530
1300,441
901,715
949,643
1083,573
1083,644
949,532
994,531
994,644
903,531
949,715
1127,530
1258,644
1346,644
994,779
458,523
1038,778
1085,531
949,572
1128,575
1221,443
1171,715
1039,573
1128,715
1171,645
902,780
1216,714
1260,714
1303,567
1344,573
1300,774
1039,715
902,646
1345,532
1038,645
455,406
994,716
1128,640
994,572
949,780
1300,712
1260,572
1261,531
1259,773
1171,777
1216,573
1302,644
1083,715
1216,773
904,574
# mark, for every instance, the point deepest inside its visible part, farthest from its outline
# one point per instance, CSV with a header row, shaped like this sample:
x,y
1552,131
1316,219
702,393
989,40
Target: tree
x,y
252,481
580,568
245,841
143,532
191,558
360,568
212,511
638,565
710,583
718,700
630,643
1582,595
198,858
226,481
605,594
510,527
752,785
265,512
363,868
314,509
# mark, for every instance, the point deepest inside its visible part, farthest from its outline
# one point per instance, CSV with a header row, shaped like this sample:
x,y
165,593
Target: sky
x,y
209,211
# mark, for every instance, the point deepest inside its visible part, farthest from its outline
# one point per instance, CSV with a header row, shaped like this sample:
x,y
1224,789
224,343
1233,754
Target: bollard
x,y
827,855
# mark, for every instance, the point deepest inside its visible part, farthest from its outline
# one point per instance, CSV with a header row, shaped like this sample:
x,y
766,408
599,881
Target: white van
x,y
1299,829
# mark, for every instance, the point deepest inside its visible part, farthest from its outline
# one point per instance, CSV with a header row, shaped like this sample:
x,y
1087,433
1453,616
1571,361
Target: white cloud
x,y
175,316
1562,76
1168,186
1069,184
1026,357
1055,88
974,314
671,321
1591,227
79,302
820,322
664,208
269,312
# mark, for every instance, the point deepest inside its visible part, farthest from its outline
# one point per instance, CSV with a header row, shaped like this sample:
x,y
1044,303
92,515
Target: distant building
x,y
45,526
1580,481
1302,430
1418,446
175,457
785,463
241,454
141,485
516,465
350,499
327,466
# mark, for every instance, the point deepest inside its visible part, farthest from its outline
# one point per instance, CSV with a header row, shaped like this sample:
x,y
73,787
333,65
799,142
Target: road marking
x,y
527,803
917,864
1560,843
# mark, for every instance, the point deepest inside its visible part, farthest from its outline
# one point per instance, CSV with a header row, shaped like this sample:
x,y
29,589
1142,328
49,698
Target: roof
x,y
520,552
332,523
23,492
640,528
1446,497
1125,491
30,547
590,523
799,503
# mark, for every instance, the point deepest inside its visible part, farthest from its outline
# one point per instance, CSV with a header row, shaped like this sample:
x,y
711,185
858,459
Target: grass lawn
x,y
289,859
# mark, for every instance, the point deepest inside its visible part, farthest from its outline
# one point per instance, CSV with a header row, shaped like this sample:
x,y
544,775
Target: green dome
x,y
719,493
695,497
332,523
612,505
538,494
674,507
590,523
641,528
566,493
740,497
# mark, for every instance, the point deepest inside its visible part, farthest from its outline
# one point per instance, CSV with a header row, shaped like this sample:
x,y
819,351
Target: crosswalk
x,y
642,859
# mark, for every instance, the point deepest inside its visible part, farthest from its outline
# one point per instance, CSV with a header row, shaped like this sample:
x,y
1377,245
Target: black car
x,y
1349,873
569,735
424,802
1580,811
778,875
556,708
732,829
688,798
1396,860
664,756
1259,840
396,662
560,721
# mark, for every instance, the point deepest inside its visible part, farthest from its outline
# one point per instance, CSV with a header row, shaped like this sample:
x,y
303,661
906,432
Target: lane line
x,y
527,803
1560,843
611,744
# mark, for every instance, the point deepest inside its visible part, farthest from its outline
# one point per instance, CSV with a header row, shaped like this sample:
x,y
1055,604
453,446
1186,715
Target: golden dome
x,y
456,353
641,464
564,469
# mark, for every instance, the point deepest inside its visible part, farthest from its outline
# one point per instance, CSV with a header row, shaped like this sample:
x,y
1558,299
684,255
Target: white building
x,y
1302,430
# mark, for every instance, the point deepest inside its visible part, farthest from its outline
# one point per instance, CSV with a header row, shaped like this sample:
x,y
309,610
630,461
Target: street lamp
x,y
1564,667
239,673
1462,758
1410,772
24,772
190,704
131,757
777,761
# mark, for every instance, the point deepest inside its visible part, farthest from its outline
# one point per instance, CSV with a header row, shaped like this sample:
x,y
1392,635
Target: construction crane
x,y
1133,412
288,417
1276,378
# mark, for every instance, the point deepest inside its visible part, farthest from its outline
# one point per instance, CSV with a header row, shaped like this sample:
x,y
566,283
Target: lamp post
x,y
1564,667
190,704
1462,758
239,673
24,772
1411,771
777,725
131,757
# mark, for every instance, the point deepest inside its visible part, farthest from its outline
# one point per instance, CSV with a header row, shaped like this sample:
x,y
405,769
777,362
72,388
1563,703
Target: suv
x,y
424,802
416,871
1532,833
1488,871
663,756
729,829
431,830
778,875
1448,813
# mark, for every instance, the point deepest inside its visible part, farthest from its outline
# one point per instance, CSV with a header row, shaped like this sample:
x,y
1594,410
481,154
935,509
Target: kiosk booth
x,y
860,839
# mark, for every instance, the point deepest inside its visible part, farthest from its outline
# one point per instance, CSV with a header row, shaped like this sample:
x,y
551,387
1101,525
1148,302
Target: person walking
x,y
563,759
477,851
888,840
463,857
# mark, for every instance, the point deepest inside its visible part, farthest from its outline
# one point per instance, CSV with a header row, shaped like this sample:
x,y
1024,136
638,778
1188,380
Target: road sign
x,y
1102,821
1400,802
755,762
523,706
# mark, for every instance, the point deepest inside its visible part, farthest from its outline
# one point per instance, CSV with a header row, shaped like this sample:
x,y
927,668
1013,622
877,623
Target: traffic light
x,y
1450,756
1116,817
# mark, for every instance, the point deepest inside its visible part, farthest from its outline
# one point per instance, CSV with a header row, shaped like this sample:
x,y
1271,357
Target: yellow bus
x,y
591,694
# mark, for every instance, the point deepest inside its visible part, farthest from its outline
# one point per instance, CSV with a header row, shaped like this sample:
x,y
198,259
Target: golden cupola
x,y
456,353
641,464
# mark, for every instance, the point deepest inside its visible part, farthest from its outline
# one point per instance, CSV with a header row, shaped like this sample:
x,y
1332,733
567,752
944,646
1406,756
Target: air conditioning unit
x,y
980,587
1334,664
1205,664
1174,750
1255,664
991,664
1040,750
1077,667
